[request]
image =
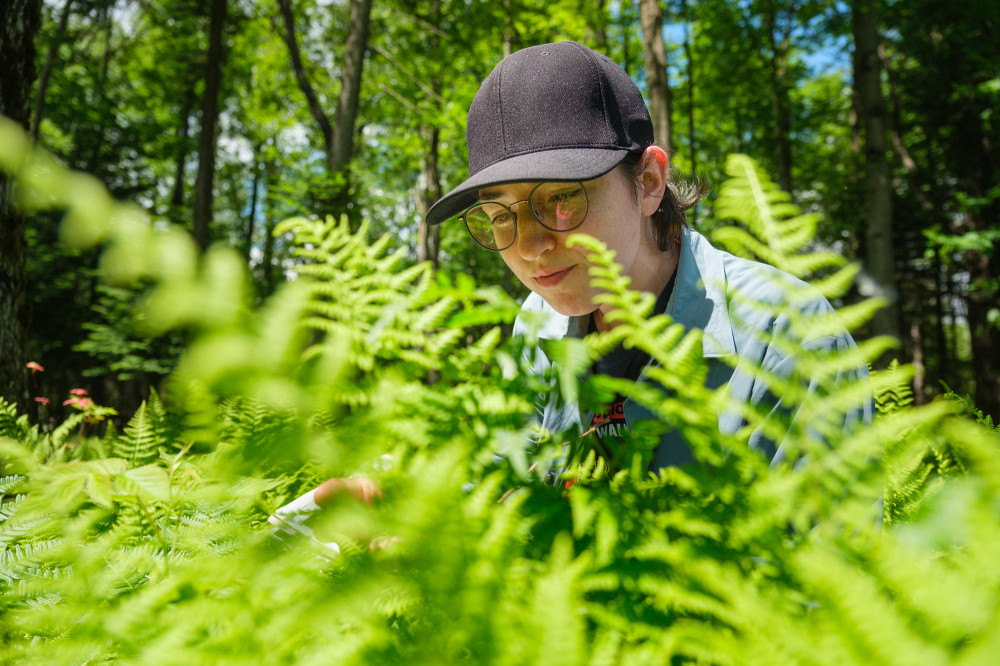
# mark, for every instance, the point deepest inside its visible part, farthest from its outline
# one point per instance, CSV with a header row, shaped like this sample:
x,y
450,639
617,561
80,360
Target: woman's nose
x,y
533,239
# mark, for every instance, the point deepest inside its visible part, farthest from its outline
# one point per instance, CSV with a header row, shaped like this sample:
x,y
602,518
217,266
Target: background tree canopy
x,y
227,117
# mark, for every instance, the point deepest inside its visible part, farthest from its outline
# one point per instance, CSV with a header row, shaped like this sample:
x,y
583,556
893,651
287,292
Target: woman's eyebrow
x,y
489,194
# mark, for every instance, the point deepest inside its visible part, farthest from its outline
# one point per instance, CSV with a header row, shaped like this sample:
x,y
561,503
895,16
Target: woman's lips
x,y
551,279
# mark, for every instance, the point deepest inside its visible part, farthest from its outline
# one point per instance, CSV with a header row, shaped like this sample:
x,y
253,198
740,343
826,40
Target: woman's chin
x,y
570,309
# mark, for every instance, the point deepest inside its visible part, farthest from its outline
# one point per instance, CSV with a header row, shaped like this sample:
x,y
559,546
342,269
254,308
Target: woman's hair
x,y
680,195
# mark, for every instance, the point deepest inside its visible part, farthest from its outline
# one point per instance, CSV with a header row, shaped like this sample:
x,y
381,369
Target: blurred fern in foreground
x,y
151,546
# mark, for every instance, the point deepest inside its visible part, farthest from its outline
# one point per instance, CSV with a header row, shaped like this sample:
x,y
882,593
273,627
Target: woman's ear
x,y
654,179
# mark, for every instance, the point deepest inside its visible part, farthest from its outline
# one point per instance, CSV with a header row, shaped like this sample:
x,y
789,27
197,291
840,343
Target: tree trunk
x,y
429,237
338,138
942,295
267,253
205,181
985,332
19,22
315,107
879,260
978,178
347,107
43,79
918,362
350,84
626,22
655,58
254,193
177,195
692,137
781,127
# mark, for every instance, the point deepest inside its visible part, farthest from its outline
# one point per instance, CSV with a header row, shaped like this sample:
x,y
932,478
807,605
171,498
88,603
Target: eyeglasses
x,y
556,206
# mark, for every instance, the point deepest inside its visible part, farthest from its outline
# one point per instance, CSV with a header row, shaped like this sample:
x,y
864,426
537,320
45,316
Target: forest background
x,y
227,116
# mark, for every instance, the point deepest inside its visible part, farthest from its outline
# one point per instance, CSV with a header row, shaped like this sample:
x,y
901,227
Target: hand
x,y
293,516
356,487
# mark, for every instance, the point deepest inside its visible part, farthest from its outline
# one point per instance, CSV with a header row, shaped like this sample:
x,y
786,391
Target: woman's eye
x,y
569,196
503,218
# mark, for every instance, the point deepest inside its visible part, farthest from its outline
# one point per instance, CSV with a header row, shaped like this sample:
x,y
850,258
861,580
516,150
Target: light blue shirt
x,y
747,312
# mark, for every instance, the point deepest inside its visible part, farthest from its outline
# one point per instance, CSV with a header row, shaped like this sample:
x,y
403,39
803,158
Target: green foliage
x,y
151,545
147,435
968,406
776,231
114,342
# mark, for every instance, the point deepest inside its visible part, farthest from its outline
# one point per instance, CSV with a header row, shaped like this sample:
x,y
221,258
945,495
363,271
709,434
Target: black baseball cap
x,y
551,112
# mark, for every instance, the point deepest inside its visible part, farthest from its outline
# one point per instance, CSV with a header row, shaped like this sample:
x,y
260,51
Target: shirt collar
x,y
699,298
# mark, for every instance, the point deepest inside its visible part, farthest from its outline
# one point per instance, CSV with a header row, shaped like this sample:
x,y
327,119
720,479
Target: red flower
x,y
79,402
78,391
44,401
34,367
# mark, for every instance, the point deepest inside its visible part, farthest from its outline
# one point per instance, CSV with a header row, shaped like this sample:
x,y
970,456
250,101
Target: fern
x,y
11,425
142,438
968,407
775,230
155,548
892,388
8,483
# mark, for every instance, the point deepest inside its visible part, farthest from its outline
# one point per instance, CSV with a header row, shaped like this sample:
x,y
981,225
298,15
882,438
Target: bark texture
x,y
19,22
305,85
350,84
879,259
655,58
205,181
781,129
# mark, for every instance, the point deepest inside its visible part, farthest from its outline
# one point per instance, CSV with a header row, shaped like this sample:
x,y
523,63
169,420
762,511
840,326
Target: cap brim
x,y
560,164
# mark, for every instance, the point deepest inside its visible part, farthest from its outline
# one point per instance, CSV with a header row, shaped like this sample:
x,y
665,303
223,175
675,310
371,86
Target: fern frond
x,y
775,231
66,431
13,425
891,387
142,438
8,483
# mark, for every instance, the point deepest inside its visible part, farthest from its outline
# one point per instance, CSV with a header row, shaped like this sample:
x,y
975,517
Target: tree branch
x,y
305,86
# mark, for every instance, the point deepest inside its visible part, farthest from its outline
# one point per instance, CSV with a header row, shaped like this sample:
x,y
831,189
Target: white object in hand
x,y
290,519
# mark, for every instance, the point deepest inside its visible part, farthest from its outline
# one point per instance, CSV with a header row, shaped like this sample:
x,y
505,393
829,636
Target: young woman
x,y
560,142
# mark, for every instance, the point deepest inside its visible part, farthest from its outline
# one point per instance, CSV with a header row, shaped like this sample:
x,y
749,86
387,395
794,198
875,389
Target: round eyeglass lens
x,y
559,206
492,225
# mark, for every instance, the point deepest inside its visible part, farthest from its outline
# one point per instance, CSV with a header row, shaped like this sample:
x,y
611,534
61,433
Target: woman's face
x,y
559,274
